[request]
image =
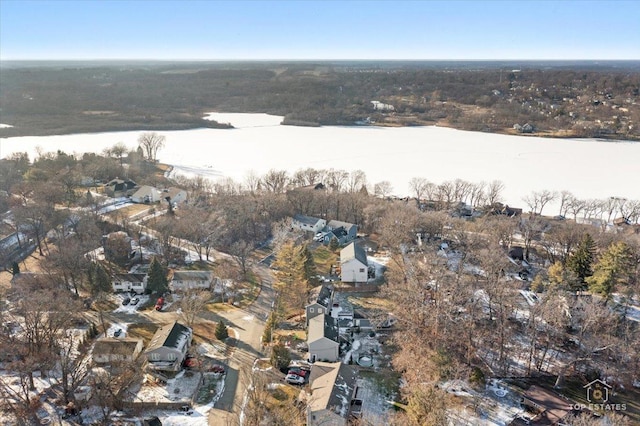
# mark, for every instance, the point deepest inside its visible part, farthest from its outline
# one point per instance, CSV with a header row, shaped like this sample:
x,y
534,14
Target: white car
x,y
294,379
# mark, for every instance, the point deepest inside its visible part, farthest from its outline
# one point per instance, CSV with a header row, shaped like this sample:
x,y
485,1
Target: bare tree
x,y
275,181
382,189
418,187
192,304
151,143
494,192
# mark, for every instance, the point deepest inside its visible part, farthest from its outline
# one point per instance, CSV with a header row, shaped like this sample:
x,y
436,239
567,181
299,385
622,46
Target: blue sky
x,y
298,29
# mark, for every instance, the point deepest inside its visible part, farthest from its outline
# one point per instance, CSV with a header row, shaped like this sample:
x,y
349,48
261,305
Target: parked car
x,y
294,379
160,304
298,371
117,333
135,300
126,301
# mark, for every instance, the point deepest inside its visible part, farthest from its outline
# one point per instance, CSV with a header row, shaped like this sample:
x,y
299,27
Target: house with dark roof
x,y
353,264
119,187
322,339
136,283
350,229
183,280
110,350
168,347
308,223
321,304
332,389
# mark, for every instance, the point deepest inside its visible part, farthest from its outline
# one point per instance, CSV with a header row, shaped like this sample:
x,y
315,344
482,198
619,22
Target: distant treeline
x,y
565,99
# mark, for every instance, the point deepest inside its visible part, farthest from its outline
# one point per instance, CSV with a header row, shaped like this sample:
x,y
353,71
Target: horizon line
x,y
313,59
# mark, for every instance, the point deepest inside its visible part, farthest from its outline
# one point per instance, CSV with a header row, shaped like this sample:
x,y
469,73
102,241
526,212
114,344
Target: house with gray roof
x,y
332,388
109,350
168,347
183,280
321,304
308,223
354,267
147,195
322,339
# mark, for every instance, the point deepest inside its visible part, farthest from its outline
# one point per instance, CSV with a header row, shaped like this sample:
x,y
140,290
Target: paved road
x,y
249,325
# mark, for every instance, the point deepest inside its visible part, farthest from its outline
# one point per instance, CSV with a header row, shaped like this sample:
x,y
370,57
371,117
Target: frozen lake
x,y
588,168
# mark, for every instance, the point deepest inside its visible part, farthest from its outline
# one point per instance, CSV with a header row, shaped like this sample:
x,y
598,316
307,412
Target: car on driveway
x,y
117,333
294,379
135,300
126,301
298,371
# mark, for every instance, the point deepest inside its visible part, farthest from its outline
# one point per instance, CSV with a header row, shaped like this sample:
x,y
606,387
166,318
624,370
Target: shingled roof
x,y
171,336
332,386
353,251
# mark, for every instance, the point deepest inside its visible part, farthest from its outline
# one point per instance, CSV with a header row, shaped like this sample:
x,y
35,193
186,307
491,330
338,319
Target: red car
x,y
298,372
159,303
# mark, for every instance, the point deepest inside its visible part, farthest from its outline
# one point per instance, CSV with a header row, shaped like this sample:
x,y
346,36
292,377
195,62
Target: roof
x,y
555,408
324,297
132,278
112,346
173,191
307,220
146,190
339,232
192,275
353,251
333,224
322,326
332,385
173,335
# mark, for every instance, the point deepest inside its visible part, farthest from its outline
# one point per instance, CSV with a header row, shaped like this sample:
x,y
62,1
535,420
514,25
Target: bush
x,y
476,377
221,331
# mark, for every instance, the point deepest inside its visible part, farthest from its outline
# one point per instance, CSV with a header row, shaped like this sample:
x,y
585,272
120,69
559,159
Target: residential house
x,y
110,350
176,195
120,188
322,339
308,223
136,283
353,264
332,389
550,408
183,280
168,347
343,232
147,195
321,304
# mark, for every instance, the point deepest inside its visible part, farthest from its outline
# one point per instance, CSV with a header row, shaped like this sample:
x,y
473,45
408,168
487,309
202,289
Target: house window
x,y
172,357
361,269
312,310
155,357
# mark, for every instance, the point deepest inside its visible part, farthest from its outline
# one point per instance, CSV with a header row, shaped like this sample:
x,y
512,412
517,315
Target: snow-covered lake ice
x,y
588,168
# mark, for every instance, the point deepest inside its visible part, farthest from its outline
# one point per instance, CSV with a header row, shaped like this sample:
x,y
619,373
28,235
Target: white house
x,y
353,264
147,195
308,223
110,350
183,280
322,339
176,195
168,347
136,283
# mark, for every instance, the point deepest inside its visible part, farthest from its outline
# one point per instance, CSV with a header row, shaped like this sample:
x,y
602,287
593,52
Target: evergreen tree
x,y
102,280
15,268
157,278
563,278
581,261
615,268
309,264
280,356
221,331
290,277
